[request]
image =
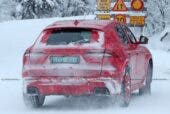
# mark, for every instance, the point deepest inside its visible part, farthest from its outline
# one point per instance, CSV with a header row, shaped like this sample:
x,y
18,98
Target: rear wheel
x,y
147,88
125,96
35,101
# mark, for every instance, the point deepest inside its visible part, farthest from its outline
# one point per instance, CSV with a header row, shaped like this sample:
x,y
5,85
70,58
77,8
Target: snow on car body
x,y
85,57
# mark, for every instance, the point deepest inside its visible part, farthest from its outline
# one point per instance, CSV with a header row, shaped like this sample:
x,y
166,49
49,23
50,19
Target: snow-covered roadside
x,y
160,54
161,64
16,36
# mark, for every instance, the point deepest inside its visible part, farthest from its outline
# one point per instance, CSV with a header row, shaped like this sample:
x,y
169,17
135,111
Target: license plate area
x,y
65,59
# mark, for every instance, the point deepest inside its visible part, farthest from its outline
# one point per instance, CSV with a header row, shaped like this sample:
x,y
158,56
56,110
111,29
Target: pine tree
x,y
76,7
36,8
7,9
158,15
50,8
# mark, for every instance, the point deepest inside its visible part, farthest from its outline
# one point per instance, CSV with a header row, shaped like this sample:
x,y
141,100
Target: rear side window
x,y
130,34
67,36
121,34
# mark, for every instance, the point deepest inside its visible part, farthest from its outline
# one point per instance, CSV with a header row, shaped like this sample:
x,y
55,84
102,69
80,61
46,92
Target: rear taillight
x,y
109,58
95,55
36,57
26,57
33,58
101,55
109,53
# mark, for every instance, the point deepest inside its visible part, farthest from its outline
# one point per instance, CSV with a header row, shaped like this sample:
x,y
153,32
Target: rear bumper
x,y
72,86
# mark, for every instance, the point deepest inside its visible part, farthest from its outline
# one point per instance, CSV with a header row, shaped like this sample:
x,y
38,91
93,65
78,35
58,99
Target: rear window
x,y
68,36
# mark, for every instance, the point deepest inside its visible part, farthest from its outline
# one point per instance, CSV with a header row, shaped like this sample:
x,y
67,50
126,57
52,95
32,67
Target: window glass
x,y
69,36
121,34
130,34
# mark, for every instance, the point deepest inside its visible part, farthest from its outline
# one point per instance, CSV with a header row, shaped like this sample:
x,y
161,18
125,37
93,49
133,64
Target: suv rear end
x,y
70,62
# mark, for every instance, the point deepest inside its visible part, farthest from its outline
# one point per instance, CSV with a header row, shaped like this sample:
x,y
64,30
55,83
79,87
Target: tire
x,y
147,88
33,101
125,95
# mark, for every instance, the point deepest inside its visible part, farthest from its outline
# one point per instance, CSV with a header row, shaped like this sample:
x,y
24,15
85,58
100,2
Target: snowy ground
x,y
157,103
16,36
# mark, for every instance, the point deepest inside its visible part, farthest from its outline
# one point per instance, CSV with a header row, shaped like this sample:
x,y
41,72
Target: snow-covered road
x,y
158,103
16,36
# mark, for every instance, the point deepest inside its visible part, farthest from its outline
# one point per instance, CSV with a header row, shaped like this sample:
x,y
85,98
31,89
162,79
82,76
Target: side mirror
x,y
143,40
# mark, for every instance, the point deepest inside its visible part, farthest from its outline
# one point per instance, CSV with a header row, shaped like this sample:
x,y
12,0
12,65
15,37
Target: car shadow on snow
x,y
83,103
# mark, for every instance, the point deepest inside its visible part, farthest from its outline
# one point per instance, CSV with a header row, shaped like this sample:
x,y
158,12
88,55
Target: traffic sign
x,y
129,12
104,16
137,20
120,18
120,6
103,5
137,5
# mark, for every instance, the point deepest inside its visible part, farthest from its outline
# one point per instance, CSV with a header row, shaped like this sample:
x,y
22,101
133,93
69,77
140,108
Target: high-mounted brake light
x,y
111,54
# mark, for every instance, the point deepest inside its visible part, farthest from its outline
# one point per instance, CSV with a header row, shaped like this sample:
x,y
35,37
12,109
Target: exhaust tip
x,y
32,90
101,91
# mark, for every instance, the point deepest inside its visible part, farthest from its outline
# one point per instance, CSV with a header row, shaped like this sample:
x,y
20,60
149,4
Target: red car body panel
x,y
100,66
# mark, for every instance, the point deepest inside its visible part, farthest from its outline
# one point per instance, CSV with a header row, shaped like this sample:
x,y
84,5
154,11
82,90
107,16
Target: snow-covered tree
x,y
49,8
76,7
158,15
29,9
7,9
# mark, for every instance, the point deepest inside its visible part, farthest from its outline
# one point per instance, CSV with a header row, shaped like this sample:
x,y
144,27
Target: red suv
x,y
86,57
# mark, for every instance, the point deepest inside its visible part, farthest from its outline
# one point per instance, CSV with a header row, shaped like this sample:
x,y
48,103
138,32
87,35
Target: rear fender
x,y
125,67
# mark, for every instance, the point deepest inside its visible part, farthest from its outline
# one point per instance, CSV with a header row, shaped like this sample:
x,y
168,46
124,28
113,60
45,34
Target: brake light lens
x,y
34,58
26,58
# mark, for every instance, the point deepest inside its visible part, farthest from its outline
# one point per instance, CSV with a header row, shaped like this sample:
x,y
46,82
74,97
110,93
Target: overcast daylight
x,y
84,56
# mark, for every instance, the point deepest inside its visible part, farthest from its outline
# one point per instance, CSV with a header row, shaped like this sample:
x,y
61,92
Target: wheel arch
x,y
125,67
151,64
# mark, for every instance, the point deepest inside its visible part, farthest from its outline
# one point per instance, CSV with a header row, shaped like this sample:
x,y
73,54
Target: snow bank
x,y
160,54
155,41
